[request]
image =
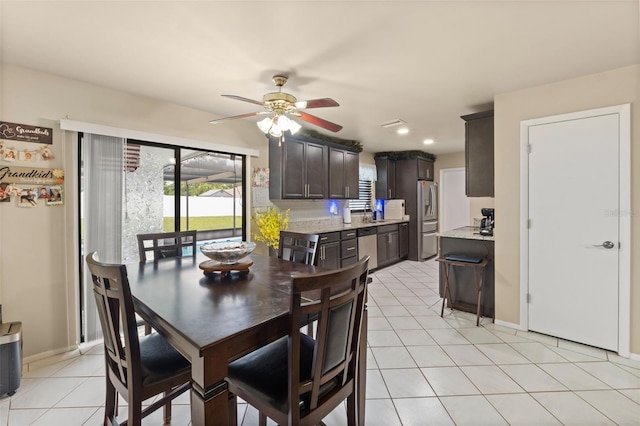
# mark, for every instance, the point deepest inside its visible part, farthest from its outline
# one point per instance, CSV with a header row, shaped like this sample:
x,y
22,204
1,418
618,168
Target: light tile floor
x,y
422,369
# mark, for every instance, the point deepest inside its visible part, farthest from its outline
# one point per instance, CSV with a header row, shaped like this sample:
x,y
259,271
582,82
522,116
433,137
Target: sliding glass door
x,y
129,187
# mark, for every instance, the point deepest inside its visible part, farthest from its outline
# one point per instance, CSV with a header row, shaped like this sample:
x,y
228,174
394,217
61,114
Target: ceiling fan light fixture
x,y
265,125
277,125
294,127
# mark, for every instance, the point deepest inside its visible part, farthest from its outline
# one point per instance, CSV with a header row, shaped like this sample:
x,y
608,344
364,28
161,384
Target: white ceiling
x,y
425,62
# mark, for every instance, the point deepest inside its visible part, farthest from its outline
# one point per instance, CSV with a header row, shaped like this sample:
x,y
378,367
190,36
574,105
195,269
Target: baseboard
x,y
71,351
634,357
509,325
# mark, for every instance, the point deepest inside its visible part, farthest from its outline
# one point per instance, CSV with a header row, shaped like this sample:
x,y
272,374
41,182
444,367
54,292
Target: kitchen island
x,y
468,241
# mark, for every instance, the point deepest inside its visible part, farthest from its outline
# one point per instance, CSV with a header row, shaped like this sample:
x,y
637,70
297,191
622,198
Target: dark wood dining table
x,y
213,320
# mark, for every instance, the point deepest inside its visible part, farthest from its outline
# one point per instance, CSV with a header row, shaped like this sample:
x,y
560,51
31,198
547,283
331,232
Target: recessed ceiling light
x,y
427,141
403,130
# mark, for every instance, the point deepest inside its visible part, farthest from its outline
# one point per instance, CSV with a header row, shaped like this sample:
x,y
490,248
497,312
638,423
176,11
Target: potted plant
x,y
269,223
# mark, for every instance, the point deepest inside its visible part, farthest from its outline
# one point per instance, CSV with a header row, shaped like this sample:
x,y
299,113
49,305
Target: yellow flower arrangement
x,y
270,223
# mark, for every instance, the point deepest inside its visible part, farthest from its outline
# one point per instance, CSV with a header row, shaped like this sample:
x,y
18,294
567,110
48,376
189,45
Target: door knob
x,y
606,244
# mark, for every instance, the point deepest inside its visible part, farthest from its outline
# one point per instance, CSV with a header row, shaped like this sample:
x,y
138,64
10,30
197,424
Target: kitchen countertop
x,y
466,232
321,228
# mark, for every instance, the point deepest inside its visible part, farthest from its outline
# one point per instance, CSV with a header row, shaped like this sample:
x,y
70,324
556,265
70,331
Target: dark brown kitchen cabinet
x,y
403,240
328,254
479,154
425,169
386,183
348,247
388,245
298,169
344,170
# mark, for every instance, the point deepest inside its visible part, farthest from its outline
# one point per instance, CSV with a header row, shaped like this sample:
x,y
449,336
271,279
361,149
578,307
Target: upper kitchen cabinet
x,y
425,169
344,170
298,169
386,183
411,170
479,154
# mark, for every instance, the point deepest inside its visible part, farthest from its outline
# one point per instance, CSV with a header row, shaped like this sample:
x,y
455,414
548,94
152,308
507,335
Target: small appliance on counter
x,y
487,222
393,209
346,213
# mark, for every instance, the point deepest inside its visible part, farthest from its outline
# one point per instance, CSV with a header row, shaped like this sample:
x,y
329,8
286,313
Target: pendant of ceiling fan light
x,y
265,124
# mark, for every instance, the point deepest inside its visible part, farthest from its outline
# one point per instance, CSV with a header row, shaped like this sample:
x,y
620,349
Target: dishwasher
x,y
368,245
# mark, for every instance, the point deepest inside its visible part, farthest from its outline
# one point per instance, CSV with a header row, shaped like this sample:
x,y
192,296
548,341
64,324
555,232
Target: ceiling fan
x,y
280,105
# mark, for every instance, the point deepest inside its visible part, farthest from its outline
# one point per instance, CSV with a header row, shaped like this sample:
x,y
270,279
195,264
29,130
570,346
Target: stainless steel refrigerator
x,y
427,222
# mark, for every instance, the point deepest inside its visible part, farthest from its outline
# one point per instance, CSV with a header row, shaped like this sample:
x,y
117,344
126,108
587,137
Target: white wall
x,y
38,247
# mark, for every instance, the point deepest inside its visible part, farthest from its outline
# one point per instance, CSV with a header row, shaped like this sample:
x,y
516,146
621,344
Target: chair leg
x,y
147,329
262,419
166,411
233,409
135,413
310,329
352,418
111,403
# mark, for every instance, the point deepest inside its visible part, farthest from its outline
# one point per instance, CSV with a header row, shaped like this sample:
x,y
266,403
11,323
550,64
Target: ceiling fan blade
x,y
317,103
318,121
240,98
233,117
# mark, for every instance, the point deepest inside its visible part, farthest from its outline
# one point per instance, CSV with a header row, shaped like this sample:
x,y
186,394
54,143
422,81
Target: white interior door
x,y
455,210
574,229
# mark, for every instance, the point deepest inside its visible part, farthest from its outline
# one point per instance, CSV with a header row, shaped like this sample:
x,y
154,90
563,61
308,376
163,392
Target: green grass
x,y
202,223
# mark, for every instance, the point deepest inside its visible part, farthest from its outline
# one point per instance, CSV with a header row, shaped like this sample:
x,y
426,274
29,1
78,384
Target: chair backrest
x,y
166,244
117,318
340,309
297,247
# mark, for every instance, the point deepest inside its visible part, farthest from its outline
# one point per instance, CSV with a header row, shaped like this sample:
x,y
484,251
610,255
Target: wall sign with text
x,y
29,186
13,147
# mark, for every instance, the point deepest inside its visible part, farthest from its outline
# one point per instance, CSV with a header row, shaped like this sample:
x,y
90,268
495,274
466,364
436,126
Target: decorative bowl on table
x,y
228,252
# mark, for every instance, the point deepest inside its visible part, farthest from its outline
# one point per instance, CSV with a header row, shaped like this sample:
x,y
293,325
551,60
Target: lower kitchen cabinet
x,y
328,254
403,240
348,247
388,245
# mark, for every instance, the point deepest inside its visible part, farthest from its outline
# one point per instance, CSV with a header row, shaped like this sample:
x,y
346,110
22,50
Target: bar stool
x,y
477,278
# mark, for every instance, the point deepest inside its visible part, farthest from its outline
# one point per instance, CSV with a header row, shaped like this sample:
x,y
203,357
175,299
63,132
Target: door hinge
x,y
529,148
528,297
529,223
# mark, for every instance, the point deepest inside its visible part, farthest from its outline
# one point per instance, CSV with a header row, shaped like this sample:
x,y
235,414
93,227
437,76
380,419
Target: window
x,y
365,201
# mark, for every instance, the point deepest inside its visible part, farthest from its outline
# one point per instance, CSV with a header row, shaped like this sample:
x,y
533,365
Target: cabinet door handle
x,y
351,248
389,192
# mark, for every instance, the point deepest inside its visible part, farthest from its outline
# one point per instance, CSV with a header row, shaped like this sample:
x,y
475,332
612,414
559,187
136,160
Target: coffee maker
x,y
487,222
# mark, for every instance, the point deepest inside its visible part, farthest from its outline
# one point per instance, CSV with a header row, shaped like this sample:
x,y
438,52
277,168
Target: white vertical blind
x,y
103,171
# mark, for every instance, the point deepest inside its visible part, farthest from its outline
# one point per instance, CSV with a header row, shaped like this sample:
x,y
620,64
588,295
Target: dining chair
x,y
298,247
301,248
297,380
166,244
136,368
